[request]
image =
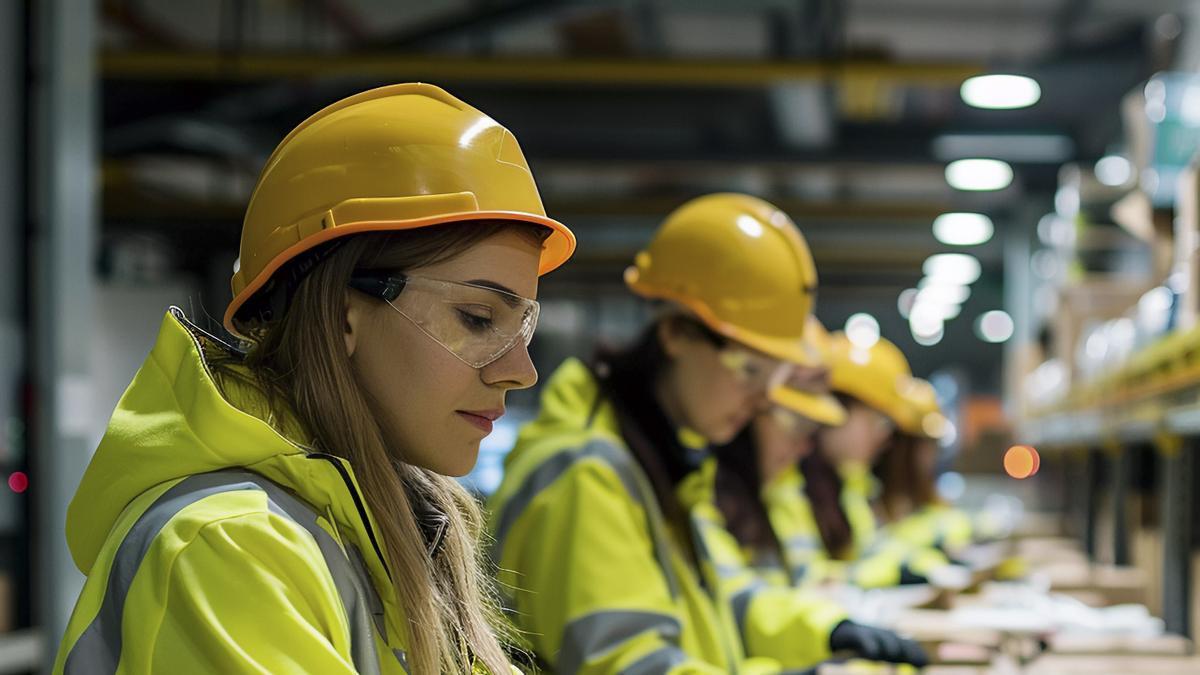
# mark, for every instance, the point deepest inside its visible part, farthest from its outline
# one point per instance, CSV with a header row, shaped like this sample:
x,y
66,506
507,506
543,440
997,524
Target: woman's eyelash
x,y
474,320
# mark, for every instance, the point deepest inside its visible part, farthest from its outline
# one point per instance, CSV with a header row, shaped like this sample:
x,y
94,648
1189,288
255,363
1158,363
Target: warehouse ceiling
x,y
844,113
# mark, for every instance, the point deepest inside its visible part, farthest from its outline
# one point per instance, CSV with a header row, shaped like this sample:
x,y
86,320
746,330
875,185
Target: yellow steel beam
x,y
166,65
800,209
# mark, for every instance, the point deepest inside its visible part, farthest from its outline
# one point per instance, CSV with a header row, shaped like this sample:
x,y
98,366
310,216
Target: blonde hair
x,y
300,360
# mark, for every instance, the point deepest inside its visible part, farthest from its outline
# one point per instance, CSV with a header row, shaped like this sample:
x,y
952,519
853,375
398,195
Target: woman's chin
x,y
456,462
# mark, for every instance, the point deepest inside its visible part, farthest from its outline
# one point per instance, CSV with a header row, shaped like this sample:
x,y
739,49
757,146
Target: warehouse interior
x,y
1031,244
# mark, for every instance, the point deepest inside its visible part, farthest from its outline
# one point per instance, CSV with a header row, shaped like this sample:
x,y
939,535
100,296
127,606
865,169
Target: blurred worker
x,y
908,500
870,383
596,550
291,508
915,514
759,530
760,490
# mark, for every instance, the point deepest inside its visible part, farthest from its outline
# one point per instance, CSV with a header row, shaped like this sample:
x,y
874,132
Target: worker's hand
x,y
876,644
910,578
950,577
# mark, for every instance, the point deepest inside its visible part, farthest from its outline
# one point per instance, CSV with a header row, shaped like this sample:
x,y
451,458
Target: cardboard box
x,y
1148,557
1050,549
1117,585
7,603
1061,664
865,668
1196,596
1162,645
1186,253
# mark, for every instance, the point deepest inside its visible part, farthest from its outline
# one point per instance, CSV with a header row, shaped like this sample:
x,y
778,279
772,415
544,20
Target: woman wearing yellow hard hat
x,y
871,383
761,532
597,548
760,488
290,508
908,500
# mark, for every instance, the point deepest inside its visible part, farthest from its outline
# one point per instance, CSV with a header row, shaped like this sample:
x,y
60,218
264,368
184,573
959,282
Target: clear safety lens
x,y
476,323
755,371
792,421
881,421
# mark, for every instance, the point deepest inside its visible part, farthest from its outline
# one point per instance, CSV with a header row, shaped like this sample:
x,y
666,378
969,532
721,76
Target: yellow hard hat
x,y
399,157
740,265
818,406
925,418
878,376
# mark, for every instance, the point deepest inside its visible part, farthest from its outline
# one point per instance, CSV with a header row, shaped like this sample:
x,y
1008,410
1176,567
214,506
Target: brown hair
x,y
739,484
627,378
906,487
823,485
299,360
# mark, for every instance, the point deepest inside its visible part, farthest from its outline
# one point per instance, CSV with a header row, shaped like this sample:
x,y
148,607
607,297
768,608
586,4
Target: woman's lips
x,y
481,419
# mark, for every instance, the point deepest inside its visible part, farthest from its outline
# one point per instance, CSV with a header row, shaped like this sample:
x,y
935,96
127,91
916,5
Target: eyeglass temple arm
x,y
385,287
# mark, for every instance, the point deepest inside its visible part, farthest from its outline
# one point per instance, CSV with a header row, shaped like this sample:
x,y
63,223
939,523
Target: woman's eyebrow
x,y
508,298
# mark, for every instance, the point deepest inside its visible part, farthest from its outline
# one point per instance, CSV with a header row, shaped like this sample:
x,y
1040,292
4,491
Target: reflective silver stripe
x,y
725,570
797,573
656,662
802,546
98,649
596,634
741,603
800,542
730,571
627,471
351,587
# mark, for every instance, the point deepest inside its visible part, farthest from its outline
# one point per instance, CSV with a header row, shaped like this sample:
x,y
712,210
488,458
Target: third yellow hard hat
x,y
878,375
740,265
924,418
399,157
813,400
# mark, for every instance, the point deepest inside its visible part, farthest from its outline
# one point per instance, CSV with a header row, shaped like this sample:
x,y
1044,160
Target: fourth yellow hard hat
x,y
925,418
878,375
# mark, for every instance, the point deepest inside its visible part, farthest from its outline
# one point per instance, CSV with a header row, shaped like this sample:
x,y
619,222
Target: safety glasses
x,y
754,371
792,422
880,421
475,323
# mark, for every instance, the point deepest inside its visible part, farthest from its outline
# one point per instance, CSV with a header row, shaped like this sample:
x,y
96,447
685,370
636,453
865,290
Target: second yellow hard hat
x,y
740,265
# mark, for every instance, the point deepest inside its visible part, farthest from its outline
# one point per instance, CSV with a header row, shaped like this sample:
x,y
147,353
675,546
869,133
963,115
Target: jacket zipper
x,y
358,504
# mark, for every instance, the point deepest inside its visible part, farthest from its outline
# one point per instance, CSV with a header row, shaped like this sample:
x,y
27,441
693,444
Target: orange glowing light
x,y
1021,461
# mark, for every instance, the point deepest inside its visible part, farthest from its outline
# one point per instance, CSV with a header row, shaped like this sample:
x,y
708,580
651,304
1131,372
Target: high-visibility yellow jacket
x,y
934,526
592,572
795,527
213,543
775,619
876,561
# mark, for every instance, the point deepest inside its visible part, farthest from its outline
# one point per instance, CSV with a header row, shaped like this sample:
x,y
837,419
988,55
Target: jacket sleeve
x,y
941,527
776,620
889,562
589,590
794,525
248,594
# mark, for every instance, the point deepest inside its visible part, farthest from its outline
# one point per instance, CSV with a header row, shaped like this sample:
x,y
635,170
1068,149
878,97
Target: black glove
x,y
909,577
876,644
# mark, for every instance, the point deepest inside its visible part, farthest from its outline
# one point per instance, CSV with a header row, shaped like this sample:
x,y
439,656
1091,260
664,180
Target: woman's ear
x,y
352,323
669,337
